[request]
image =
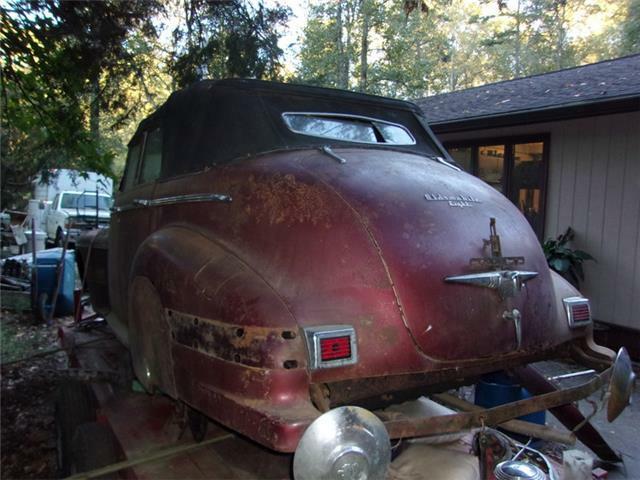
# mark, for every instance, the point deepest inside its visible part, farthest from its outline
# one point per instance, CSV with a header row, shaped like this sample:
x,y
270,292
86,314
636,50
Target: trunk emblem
x,y
459,200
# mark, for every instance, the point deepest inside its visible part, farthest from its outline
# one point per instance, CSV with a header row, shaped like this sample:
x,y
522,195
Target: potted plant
x,y
565,260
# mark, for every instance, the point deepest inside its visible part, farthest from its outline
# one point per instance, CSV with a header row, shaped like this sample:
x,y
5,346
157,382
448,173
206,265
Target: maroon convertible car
x,y
277,251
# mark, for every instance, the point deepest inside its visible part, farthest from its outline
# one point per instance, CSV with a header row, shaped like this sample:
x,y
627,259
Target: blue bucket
x,y
497,389
47,263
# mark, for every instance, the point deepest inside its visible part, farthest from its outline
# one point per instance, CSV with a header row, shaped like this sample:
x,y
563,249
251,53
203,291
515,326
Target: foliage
x,y
226,39
565,260
78,76
447,45
63,64
630,41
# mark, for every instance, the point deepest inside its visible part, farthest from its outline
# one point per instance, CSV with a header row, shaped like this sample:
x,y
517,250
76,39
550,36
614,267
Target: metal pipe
x,y
572,375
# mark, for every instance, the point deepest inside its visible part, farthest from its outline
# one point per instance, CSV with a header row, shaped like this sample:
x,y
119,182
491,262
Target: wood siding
x,y
594,187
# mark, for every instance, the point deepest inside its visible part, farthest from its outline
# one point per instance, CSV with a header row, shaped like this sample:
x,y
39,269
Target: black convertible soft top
x,y
216,121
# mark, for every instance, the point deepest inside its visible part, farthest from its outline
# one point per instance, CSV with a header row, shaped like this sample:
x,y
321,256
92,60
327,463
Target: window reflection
x,y
394,134
491,165
327,127
528,180
348,128
516,169
463,156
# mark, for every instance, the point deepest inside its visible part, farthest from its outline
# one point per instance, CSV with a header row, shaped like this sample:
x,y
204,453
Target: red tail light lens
x,y
331,346
335,348
578,311
581,313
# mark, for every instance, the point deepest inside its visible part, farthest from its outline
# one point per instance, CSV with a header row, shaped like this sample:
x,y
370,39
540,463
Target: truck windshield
x,y
85,200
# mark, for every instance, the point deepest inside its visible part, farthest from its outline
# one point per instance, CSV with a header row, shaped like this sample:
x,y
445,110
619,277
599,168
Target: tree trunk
x,y
340,79
94,108
346,65
517,67
364,47
560,12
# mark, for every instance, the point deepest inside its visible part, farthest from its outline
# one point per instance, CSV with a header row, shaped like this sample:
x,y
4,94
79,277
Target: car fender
x,y
211,303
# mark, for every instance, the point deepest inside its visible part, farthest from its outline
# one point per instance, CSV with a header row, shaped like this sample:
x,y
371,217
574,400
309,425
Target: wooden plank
x,y
608,261
627,255
554,182
582,184
573,137
595,220
635,306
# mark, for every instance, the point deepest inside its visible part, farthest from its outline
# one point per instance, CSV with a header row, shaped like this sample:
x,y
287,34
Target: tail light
x,y
331,346
578,311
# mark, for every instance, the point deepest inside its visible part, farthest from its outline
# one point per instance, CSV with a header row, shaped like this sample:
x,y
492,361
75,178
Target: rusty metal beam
x,y
492,416
515,426
568,415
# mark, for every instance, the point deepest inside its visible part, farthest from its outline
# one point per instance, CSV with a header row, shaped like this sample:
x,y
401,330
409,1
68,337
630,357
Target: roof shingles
x,y
586,84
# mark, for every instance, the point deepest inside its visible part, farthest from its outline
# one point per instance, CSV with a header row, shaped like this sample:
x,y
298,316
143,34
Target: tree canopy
x,y
77,76
413,48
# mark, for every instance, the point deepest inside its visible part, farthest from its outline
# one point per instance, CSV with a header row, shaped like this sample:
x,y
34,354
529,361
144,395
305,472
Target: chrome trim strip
x,y
444,161
313,335
569,303
347,115
156,202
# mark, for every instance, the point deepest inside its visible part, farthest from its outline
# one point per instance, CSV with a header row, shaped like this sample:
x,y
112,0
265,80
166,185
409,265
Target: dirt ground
x,y
30,375
27,442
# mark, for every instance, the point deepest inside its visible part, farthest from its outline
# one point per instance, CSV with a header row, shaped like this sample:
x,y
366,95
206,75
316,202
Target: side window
x,y
152,157
133,158
55,201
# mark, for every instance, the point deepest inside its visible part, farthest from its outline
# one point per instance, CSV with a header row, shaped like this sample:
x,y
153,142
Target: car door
x,y
131,220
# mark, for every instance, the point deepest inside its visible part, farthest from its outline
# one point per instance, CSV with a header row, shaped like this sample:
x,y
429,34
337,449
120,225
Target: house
x,y
565,147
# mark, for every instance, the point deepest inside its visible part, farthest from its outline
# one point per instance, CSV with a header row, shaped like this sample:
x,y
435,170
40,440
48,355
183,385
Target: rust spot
x,y
389,335
283,200
252,346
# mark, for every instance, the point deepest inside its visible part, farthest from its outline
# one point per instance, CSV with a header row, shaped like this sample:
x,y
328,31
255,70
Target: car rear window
x,y
348,128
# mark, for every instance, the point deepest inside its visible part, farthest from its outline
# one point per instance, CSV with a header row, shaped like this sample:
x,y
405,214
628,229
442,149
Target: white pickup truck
x,y
75,212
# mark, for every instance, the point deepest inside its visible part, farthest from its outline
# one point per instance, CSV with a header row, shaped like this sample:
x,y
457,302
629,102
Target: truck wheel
x,y
94,445
59,241
74,405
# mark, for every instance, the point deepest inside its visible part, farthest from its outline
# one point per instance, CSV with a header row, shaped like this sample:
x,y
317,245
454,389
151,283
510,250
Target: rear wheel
x,y
74,405
94,445
41,306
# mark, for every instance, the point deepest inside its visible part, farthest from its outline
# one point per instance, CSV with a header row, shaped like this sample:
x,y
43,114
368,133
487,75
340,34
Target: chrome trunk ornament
x,y
508,283
515,316
496,261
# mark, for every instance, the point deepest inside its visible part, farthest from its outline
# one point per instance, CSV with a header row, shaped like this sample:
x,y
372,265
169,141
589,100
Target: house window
x,y
517,167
